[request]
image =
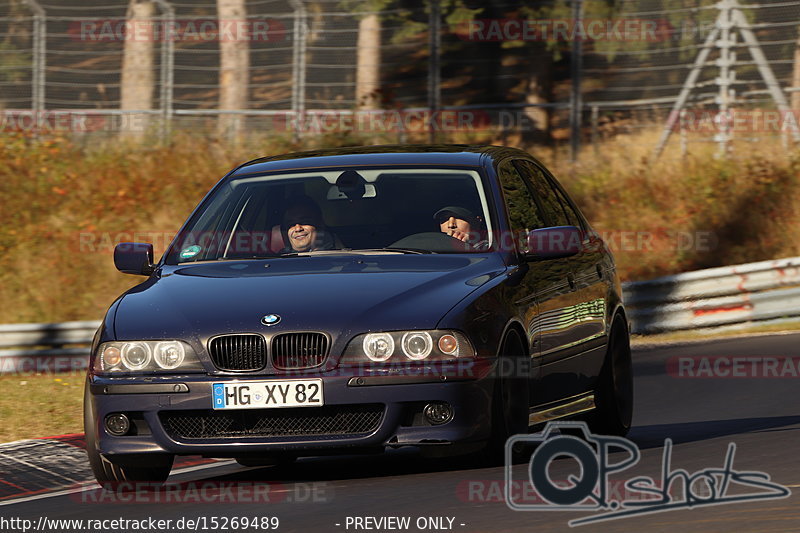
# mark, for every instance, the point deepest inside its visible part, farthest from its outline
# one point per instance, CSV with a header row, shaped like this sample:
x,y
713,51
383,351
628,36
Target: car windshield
x,y
397,210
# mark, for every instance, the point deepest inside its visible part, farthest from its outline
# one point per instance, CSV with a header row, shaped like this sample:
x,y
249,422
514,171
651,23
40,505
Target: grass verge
x,y
40,405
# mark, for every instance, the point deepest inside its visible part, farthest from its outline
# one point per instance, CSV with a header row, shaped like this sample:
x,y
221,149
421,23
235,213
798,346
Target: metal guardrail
x,y
722,296
704,298
56,347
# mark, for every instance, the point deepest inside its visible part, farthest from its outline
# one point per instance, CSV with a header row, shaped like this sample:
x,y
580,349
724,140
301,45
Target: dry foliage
x,y
65,206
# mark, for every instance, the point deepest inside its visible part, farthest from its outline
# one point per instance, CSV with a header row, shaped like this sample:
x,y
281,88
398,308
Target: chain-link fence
x,y
579,70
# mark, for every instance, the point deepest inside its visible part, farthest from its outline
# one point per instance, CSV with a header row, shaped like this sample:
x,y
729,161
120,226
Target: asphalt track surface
x,y
700,415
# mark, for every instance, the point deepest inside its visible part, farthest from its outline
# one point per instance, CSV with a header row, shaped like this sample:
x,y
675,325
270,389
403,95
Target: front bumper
x,y
153,400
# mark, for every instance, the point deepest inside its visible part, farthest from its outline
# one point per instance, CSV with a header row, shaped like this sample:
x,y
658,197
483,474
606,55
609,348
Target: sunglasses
x,y
302,221
441,219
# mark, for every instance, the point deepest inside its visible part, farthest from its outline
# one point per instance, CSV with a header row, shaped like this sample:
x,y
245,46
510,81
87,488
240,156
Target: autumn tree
x,y
136,84
234,76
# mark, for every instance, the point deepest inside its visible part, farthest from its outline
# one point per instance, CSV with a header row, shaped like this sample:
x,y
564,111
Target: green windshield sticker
x,y
190,252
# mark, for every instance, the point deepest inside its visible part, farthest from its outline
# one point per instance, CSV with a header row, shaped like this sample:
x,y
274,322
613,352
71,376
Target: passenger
x,y
462,224
303,227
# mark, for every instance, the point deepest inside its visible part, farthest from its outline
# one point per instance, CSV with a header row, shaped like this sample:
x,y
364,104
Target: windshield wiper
x,y
333,251
248,258
392,249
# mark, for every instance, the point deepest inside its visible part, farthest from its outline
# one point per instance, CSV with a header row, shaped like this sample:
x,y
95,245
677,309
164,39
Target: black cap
x,y
302,210
459,212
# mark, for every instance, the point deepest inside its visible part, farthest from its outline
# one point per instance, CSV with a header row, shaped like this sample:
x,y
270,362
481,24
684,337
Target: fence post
x,y
434,70
167,76
595,120
39,59
727,75
576,69
299,67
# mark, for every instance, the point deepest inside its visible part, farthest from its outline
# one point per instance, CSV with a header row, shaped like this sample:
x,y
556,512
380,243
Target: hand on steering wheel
x,y
460,235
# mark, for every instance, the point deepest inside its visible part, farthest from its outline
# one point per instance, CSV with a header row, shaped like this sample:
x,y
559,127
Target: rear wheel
x,y
614,391
128,469
510,399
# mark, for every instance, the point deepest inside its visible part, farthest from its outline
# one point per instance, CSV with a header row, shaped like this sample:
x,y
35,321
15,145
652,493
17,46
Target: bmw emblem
x,y
270,320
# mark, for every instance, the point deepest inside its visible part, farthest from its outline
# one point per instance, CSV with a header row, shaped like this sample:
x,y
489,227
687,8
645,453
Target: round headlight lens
x,y
135,355
110,357
169,355
417,345
448,344
378,346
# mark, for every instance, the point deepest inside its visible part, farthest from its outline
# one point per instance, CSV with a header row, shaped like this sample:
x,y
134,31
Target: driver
x,y
462,224
303,227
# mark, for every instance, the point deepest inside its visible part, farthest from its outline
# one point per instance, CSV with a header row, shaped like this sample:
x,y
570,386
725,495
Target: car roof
x,y
406,154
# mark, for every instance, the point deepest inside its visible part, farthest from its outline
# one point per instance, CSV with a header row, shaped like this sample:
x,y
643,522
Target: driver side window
x,y
524,213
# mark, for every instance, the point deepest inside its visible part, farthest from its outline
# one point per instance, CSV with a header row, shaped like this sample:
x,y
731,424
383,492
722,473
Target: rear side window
x,y
557,209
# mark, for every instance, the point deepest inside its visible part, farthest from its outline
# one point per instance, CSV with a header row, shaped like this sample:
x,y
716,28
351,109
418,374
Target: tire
x,y
274,460
125,471
510,401
614,390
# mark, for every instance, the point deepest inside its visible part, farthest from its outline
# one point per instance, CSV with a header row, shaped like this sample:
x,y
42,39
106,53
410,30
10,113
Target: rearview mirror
x,y
555,242
134,258
351,185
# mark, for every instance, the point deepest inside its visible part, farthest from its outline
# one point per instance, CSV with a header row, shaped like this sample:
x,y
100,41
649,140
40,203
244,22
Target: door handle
x,y
571,280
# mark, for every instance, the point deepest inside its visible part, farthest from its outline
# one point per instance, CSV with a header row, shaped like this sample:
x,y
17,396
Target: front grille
x,y
299,350
239,352
292,422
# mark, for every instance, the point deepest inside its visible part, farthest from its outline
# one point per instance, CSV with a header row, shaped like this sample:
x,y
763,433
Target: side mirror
x,y
134,258
553,243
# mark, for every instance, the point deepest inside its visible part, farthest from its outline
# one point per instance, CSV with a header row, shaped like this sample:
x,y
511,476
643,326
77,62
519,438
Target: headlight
x,y
169,354
417,345
136,355
110,356
407,346
378,346
142,357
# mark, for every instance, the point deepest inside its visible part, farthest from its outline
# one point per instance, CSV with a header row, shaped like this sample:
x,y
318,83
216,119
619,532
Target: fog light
x,y
117,424
438,413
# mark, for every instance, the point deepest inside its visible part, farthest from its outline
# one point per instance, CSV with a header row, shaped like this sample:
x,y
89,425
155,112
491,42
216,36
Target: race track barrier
x,y
46,348
738,294
722,296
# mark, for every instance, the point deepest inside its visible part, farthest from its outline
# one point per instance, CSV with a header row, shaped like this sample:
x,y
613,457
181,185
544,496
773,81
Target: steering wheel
x,y
435,241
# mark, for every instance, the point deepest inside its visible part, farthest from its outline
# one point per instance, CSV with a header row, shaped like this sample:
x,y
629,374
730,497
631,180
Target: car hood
x,y
338,294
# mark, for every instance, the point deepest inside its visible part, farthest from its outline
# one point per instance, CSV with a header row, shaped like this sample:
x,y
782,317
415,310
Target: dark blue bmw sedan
x,y
353,300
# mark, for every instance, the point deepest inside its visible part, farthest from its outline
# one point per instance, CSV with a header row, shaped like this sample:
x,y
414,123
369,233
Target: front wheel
x,y
133,469
614,390
510,399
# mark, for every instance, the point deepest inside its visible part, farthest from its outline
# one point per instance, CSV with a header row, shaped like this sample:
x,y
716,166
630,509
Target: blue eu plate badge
x,y
219,395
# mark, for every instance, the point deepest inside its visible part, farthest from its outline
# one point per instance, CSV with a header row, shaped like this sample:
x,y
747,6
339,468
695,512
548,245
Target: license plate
x,y
263,394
